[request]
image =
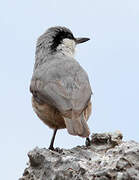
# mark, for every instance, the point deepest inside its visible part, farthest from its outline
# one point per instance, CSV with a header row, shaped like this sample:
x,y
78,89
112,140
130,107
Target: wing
x,y
63,84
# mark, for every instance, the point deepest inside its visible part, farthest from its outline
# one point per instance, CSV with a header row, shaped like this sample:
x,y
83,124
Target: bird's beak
x,y
81,40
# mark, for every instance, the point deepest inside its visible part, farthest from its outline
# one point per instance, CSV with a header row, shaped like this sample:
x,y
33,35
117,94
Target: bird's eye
x,y
70,36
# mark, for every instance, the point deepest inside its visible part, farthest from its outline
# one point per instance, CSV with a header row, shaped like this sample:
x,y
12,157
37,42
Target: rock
x,y
107,158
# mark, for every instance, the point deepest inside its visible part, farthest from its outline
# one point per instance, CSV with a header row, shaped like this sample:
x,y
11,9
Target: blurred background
x,y
111,59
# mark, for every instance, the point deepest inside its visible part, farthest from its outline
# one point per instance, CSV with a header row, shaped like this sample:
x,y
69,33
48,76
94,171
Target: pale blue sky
x,y
111,59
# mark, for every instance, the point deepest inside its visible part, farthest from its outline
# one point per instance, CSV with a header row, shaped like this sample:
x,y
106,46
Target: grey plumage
x,y
60,81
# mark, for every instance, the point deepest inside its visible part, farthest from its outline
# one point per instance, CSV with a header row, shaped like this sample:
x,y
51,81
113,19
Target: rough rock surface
x,y
108,157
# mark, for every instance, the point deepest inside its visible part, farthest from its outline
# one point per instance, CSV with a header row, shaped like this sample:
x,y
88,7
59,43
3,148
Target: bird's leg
x,y
52,140
87,142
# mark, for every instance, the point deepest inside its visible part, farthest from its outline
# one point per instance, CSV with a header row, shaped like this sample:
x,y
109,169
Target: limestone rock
x,y
107,158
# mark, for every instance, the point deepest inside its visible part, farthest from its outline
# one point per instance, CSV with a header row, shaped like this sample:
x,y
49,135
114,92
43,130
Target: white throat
x,y
67,47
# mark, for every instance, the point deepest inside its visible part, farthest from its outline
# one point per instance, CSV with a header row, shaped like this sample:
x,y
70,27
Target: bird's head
x,y
61,40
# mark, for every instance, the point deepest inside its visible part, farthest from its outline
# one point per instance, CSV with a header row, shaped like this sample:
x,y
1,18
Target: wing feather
x,y
64,85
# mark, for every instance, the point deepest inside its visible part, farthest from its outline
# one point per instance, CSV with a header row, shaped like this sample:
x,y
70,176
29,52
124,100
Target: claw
x,y
88,142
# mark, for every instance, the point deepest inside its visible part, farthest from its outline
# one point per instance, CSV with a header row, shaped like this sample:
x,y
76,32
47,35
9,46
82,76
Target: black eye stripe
x,y
59,37
70,36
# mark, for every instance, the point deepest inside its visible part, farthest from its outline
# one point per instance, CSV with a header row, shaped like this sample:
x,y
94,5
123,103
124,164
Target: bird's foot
x,y
87,142
58,150
51,148
55,149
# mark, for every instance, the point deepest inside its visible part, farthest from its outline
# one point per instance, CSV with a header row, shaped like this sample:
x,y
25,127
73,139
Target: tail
x,y
77,126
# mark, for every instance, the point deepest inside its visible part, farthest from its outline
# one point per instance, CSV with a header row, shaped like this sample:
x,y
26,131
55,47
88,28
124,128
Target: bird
x,y
60,87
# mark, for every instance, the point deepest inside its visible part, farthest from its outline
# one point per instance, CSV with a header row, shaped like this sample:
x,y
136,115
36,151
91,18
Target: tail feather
x,y
86,130
77,125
